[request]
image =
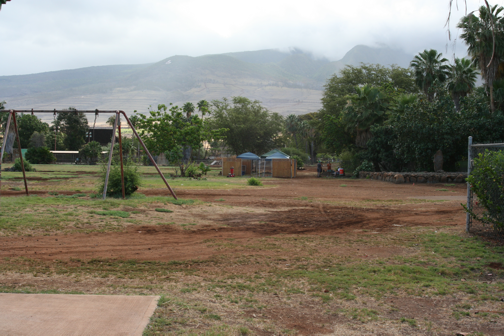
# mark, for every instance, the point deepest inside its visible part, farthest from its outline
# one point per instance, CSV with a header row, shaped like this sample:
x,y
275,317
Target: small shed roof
x,y
248,156
278,155
273,151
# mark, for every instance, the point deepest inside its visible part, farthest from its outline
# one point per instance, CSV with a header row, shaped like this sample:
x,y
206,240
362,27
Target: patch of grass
x,y
343,185
411,322
442,189
115,213
213,317
163,210
220,200
450,185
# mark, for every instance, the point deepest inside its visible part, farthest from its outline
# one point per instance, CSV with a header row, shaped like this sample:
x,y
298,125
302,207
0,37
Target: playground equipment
x,y
117,126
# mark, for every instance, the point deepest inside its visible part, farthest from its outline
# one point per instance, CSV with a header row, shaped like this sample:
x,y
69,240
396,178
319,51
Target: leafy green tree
x,y
37,140
27,124
90,152
249,126
170,131
330,123
188,109
75,125
485,44
461,79
429,66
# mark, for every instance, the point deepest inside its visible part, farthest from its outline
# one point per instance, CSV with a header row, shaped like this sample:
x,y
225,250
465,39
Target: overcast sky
x,y
38,36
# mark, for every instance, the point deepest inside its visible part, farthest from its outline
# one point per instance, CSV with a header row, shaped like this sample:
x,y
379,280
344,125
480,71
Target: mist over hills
x,y
286,82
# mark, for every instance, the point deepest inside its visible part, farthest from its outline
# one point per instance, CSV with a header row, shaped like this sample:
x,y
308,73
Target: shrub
x,y
204,168
364,166
254,182
132,179
90,152
191,170
487,181
17,165
299,161
38,155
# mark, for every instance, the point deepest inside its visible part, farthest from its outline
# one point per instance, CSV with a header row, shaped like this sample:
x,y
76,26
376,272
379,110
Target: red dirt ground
x,y
286,209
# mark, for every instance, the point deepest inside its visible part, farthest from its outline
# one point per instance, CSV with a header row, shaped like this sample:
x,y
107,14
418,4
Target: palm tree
x,y
188,109
429,66
203,107
462,79
485,51
365,108
292,126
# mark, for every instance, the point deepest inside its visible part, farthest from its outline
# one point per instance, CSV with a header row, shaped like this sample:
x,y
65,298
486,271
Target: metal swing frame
x,y
117,126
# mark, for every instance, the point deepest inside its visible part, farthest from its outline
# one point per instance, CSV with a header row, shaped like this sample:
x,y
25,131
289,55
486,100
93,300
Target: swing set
x,y
117,126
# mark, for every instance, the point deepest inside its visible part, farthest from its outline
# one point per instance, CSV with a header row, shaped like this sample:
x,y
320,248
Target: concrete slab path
x,y
61,314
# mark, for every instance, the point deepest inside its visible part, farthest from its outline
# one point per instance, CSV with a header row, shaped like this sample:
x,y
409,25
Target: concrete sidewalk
x,y
61,314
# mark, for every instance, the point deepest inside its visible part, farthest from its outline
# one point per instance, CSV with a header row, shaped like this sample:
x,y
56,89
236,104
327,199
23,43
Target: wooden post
x,y
109,160
20,153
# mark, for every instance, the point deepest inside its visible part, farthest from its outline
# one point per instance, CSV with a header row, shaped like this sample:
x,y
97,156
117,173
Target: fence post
x,y
469,166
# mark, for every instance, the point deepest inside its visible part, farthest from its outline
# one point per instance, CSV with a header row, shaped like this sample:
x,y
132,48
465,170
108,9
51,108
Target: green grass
x,y
163,210
66,214
114,213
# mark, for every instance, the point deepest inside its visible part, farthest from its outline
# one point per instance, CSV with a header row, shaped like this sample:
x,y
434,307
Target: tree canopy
x,y
250,127
27,125
75,125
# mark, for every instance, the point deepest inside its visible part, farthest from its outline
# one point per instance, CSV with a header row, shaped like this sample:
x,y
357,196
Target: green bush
x,y
27,165
39,155
299,161
487,182
364,166
191,170
204,168
254,182
132,179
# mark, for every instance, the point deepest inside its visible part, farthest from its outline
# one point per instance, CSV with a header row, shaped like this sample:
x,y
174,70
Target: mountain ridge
x,y
286,82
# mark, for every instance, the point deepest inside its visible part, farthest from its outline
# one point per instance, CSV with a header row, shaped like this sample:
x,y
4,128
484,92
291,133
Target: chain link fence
x,y
473,225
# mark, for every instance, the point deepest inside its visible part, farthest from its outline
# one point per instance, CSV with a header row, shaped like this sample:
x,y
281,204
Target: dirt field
x,y
301,256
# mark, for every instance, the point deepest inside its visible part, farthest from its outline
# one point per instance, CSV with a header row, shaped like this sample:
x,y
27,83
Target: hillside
x,y
286,82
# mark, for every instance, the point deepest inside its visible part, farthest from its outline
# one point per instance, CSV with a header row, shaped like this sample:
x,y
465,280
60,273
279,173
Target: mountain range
x,y
288,82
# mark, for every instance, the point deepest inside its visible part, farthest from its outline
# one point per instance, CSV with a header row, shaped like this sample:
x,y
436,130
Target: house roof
x,y
248,156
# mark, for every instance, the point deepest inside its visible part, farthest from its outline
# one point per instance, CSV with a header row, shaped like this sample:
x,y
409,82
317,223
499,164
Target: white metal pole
x,y
110,158
469,166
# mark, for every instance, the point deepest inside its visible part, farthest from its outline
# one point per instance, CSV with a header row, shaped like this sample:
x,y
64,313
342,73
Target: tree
x,y
365,109
429,66
75,125
293,127
249,126
171,131
37,140
204,108
462,79
3,2
90,152
484,36
27,124
188,109
331,128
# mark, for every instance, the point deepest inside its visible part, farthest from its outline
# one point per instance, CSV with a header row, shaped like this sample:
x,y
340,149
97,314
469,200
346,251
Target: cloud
x,y
50,35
